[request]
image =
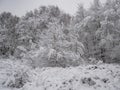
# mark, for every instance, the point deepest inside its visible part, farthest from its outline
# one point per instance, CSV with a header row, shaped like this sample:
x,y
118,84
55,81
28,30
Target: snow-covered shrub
x,y
94,61
20,52
88,81
62,59
37,58
115,55
47,57
13,74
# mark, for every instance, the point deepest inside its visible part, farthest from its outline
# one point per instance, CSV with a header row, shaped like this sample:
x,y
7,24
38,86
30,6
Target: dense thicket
x,y
99,30
60,38
8,35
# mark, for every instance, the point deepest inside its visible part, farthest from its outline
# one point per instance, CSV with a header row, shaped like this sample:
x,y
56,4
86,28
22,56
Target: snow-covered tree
x,y
50,28
99,30
80,15
96,5
8,33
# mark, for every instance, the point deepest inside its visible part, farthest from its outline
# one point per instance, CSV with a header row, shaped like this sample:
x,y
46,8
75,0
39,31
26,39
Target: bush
x,y
14,74
45,57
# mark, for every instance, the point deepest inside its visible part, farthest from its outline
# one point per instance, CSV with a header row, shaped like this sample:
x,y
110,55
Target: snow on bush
x,y
13,73
48,57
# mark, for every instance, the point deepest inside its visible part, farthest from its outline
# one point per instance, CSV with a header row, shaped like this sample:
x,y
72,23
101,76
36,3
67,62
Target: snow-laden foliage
x,y
46,43
8,36
42,26
99,30
13,73
96,28
50,28
47,57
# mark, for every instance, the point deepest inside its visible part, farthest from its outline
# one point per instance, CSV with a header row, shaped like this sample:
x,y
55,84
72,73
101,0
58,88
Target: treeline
x,y
92,33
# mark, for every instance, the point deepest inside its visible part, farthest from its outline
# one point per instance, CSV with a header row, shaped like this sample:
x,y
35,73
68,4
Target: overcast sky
x,y
20,7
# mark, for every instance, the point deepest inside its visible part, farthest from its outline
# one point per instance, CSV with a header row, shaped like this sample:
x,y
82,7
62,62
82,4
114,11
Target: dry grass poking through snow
x,y
91,77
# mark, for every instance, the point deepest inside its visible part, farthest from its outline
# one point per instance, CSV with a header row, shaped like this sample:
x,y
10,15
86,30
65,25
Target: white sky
x,y
20,7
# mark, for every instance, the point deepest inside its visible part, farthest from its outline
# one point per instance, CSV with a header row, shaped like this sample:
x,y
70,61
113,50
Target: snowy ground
x,y
90,77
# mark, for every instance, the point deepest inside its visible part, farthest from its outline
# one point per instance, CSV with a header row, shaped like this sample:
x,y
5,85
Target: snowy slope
x,y
102,77
90,77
